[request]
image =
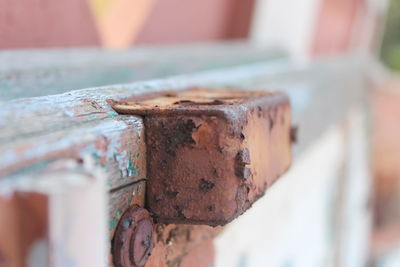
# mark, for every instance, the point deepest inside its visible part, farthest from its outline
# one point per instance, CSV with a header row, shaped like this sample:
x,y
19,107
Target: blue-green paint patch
x,y
92,116
95,156
132,170
97,159
130,199
32,168
114,221
112,114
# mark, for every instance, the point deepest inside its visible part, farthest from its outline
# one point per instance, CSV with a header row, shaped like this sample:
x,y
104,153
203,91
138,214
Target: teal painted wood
x,y
115,145
59,112
43,72
321,94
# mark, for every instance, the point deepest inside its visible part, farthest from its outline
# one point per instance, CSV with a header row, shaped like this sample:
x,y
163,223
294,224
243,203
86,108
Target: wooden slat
x,y
54,217
121,199
30,73
320,93
116,145
61,112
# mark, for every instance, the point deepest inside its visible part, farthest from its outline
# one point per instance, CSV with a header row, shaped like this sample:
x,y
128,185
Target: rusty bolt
x,y
211,153
133,238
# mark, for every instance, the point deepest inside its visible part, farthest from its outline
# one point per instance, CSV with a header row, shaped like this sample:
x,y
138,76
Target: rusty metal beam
x,y
211,154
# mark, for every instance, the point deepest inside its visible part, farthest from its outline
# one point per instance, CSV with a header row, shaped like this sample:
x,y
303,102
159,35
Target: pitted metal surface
x,y
211,154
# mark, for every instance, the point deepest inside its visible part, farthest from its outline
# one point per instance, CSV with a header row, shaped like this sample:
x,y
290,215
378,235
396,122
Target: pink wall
x,y
45,23
334,29
173,21
65,23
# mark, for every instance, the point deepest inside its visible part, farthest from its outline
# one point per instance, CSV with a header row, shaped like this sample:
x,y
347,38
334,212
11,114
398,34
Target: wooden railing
x,y
63,156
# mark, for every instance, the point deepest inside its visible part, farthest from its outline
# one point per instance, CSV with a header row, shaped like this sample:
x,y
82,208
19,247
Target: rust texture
x,y
133,239
211,153
180,245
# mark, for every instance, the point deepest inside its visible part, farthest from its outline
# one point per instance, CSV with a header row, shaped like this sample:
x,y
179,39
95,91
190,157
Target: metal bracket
x,y
211,153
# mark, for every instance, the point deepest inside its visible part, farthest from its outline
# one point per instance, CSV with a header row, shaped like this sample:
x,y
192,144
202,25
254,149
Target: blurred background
x,y
306,30
306,27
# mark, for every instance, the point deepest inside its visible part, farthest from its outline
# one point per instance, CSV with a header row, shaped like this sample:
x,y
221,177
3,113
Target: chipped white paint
x,y
83,140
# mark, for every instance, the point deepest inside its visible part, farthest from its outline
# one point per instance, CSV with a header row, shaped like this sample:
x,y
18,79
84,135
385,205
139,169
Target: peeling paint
x,y
112,114
114,220
111,143
132,170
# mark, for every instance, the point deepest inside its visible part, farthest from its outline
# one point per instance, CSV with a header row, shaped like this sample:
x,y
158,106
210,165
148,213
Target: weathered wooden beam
x,y
307,86
121,199
62,112
116,145
42,72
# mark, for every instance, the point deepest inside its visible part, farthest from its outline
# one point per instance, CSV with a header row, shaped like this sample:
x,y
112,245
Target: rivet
x,y
133,238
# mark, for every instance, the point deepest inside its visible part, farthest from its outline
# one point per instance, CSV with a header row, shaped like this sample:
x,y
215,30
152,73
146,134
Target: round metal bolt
x,y
133,238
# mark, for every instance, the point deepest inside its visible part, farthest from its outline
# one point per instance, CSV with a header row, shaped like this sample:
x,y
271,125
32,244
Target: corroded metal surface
x,y
133,239
211,154
176,243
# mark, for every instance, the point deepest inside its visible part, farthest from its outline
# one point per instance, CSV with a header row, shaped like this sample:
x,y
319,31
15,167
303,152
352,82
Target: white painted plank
x,y
291,225
286,24
72,217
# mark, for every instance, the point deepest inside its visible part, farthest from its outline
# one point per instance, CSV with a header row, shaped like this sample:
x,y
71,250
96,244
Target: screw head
x,y
133,238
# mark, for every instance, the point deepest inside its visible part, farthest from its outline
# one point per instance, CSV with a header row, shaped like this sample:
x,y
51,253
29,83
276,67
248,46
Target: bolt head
x,y
133,238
